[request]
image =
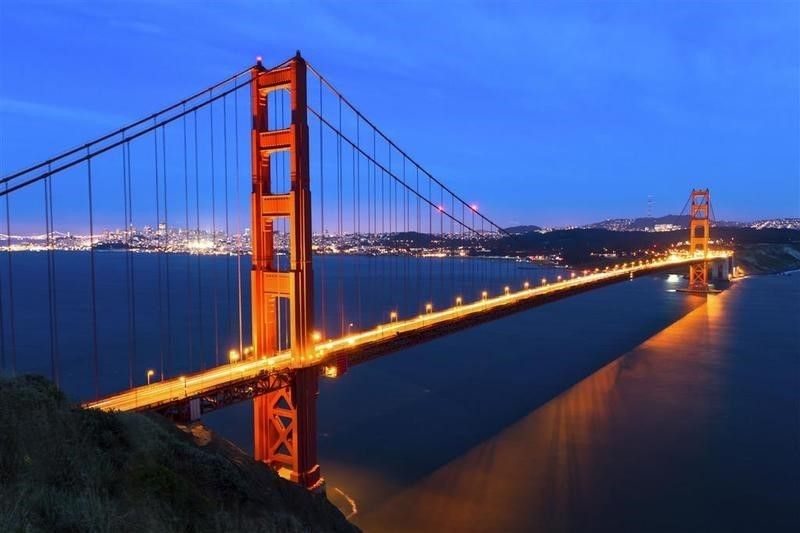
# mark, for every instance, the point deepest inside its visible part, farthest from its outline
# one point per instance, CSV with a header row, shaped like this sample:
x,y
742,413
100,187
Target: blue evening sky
x,y
544,113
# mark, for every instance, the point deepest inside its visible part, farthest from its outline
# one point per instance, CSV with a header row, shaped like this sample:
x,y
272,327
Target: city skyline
x,y
581,107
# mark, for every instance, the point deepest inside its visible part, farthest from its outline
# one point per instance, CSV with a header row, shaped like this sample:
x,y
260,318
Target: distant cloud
x,y
37,109
137,26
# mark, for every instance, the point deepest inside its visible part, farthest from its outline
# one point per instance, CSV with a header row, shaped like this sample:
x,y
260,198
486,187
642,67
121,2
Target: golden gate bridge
x,y
302,312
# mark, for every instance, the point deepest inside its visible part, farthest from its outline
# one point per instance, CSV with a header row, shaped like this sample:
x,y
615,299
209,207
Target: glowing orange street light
x,y
484,295
506,289
233,356
393,316
150,374
316,336
458,300
428,308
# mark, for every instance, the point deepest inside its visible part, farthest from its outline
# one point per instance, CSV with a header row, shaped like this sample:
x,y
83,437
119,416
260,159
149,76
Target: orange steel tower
x,y
699,225
284,420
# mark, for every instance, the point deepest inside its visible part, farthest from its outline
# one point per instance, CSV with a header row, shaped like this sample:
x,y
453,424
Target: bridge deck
x,y
237,381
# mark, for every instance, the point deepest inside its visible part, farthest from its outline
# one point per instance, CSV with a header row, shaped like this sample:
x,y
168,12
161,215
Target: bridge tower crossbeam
x,y
284,420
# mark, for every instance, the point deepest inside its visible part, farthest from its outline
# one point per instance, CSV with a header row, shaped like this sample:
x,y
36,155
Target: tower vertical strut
x,y
699,226
284,420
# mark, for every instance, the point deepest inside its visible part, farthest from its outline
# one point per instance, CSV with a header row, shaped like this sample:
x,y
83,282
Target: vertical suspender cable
x,y
51,296
11,313
200,330
228,314
95,355
339,193
189,332
126,234
132,272
356,232
238,218
214,272
159,252
324,326
166,254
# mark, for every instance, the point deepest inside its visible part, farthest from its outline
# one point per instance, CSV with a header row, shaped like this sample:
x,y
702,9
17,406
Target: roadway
x,y
380,340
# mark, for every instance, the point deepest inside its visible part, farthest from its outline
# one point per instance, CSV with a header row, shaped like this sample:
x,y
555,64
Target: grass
x,y
64,468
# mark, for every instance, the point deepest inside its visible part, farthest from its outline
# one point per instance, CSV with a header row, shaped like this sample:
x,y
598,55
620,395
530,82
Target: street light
x,y
458,300
349,328
484,295
558,278
526,285
572,275
506,289
233,356
428,308
316,336
150,374
393,316
544,281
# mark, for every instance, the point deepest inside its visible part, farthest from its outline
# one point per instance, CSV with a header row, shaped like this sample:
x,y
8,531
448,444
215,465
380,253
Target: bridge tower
x,y
284,420
699,226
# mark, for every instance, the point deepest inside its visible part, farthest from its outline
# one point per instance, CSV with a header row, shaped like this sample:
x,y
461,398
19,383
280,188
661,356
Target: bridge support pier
x,y
285,429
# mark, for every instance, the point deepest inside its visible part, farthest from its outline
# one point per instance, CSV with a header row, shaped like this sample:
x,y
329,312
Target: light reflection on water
x,y
694,429
388,424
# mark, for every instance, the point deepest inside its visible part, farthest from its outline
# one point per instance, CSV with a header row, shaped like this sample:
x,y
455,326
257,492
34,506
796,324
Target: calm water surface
x,y
689,419
631,407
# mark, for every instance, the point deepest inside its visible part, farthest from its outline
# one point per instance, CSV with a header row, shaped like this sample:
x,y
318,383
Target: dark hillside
x,y
69,469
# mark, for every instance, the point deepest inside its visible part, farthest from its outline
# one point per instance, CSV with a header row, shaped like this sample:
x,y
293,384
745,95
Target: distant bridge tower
x,y
284,420
699,226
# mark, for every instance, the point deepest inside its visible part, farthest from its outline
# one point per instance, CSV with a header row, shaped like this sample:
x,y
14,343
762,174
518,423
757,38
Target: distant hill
x,y
670,222
665,223
515,230
583,246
